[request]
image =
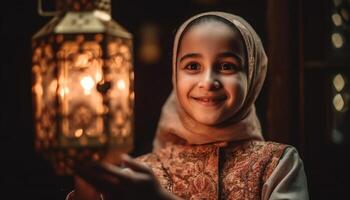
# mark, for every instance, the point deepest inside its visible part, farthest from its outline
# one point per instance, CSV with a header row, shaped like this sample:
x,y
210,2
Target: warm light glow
x,y
87,83
63,91
82,60
125,51
336,18
53,86
120,118
338,82
338,102
98,76
38,89
132,76
121,84
65,127
83,141
102,139
337,40
117,61
78,133
149,51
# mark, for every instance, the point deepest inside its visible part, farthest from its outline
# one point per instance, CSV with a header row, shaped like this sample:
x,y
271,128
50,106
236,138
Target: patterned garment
x,y
236,170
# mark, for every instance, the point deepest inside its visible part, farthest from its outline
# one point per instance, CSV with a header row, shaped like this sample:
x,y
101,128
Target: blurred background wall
x,y
304,102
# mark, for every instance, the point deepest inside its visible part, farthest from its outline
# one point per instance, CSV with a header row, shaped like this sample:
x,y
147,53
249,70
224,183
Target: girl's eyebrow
x,y
190,55
231,54
223,54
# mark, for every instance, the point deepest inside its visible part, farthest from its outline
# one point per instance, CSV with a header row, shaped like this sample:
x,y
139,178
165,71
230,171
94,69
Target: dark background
x,y
295,106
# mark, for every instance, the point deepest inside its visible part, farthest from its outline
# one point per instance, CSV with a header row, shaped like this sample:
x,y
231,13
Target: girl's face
x,y
211,77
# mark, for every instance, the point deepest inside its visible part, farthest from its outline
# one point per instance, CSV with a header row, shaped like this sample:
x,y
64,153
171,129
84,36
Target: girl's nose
x,y
209,82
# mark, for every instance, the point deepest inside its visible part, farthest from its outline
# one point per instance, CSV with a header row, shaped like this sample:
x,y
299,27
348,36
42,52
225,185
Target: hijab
x,y
177,126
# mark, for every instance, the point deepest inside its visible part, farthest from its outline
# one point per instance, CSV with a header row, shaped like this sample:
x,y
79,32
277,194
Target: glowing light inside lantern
x,y
98,76
63,91
53,86
78,133
82,60
87,83
121,84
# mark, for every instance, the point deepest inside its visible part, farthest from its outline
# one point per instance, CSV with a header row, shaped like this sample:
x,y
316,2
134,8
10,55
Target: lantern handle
x,y
45,13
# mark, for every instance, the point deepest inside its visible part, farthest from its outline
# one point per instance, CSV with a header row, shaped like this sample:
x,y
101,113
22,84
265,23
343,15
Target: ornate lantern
x,y
82,85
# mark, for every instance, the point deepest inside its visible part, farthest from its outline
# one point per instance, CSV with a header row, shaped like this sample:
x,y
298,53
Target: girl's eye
x,y
228,68
192,67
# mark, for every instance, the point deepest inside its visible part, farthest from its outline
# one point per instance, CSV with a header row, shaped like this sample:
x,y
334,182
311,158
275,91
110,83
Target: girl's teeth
x,y
207,100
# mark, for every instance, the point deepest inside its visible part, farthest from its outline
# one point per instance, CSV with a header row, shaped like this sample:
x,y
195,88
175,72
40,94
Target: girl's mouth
x,y
210,100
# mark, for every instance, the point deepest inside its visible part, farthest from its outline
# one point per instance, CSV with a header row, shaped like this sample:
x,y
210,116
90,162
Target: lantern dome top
x,y
91,17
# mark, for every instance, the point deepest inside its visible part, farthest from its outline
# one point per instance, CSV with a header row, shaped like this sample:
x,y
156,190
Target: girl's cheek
x,y
238,81
231,82
183,85
236,86
185,80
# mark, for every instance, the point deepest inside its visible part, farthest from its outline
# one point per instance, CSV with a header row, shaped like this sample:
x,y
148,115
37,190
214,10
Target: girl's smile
x,y
211,100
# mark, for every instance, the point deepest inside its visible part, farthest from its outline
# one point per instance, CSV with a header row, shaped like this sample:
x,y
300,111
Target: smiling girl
x,y
208,143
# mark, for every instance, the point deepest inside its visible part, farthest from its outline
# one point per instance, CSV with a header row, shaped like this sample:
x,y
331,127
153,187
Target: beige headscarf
x,y
176,126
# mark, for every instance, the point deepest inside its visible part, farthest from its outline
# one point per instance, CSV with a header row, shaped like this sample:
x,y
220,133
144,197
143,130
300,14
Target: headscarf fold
x,y
176,126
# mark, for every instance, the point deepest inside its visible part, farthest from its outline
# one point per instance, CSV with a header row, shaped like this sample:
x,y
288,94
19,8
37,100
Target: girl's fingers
x,y
106,174
103,182
110,179
134,165
125,176
114,171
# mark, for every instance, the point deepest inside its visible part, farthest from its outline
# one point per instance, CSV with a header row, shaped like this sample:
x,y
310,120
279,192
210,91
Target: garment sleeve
x,y
288,180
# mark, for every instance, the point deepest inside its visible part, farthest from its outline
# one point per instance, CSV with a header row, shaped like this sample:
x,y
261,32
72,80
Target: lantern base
x,y
64,160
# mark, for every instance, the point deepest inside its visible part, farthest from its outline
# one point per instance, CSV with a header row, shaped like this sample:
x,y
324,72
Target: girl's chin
x,y
210,121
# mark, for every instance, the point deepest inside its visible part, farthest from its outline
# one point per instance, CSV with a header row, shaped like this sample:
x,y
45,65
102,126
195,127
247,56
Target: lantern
x,y
82,85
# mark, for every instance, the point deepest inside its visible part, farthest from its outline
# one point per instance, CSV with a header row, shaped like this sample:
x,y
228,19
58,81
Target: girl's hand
x,y
135,182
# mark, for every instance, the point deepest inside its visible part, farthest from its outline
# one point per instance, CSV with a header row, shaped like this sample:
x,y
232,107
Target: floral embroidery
x,y
196,172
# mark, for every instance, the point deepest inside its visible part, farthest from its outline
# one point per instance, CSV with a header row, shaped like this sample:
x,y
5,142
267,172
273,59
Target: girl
x,y
208,143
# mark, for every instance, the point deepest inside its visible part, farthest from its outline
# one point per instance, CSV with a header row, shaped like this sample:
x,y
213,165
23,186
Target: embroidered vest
x,y
234,171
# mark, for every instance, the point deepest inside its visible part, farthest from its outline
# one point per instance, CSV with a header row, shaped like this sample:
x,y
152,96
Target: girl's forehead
x,y
215,28
211,34
211,29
